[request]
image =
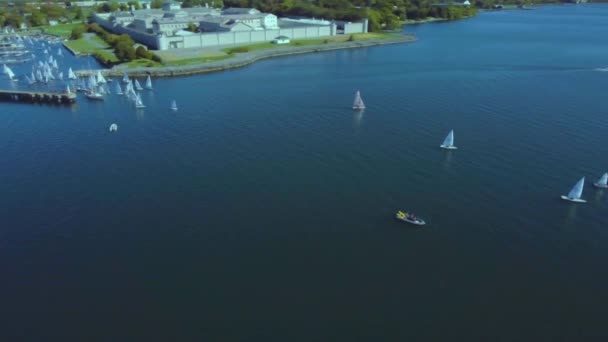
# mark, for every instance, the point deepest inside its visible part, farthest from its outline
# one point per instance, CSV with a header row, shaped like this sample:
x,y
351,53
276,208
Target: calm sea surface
x,y
263,208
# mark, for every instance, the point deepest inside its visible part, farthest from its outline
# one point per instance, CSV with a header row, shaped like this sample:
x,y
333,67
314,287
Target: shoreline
x,y
423,21
243,59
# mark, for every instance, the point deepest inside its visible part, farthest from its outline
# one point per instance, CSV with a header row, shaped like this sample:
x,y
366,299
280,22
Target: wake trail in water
x,y
601,69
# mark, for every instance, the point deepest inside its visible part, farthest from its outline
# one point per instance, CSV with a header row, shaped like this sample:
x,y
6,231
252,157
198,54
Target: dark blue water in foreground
x,y
263,209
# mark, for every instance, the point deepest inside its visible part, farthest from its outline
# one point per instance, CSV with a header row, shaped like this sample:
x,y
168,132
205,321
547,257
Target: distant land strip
x,y
244,59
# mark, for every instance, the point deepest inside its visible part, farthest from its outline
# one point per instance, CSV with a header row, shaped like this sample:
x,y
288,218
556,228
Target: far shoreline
x,y
243,59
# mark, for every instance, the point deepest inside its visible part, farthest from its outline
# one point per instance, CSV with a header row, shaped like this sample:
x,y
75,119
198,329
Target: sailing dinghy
x,y
577,191
602,182
448,142
358,103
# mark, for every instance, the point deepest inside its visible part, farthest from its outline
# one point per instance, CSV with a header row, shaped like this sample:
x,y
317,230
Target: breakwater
x,y
37,97
244,59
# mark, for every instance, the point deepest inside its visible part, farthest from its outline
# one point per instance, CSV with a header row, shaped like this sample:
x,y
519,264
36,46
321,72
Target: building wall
x,y
229,38
151,41
244,38
361,27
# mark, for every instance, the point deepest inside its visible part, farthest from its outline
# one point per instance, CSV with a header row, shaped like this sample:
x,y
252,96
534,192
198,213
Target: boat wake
x,y
601,69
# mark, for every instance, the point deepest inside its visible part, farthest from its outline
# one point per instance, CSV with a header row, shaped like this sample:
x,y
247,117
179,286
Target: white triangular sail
x,y
358,102
603,181
71,74
138,86
174,105
138,102
4,69
449,140
577,190
113,127
125,78
100,78
149,83
67,89
10,73
118,89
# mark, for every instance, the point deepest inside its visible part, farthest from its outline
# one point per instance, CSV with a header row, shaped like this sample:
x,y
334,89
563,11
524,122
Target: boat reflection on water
x,y
358,118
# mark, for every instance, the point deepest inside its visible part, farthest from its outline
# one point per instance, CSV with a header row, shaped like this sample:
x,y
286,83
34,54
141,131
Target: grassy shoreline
x,y
227,53
238,60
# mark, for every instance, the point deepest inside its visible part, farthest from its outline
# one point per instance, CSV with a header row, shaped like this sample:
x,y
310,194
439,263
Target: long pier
x,y
37,97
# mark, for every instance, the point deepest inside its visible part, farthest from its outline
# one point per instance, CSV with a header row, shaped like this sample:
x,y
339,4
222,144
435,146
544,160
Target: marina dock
x,y
37,97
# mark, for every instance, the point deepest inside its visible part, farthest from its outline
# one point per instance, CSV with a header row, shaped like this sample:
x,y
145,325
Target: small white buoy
x,y
113,127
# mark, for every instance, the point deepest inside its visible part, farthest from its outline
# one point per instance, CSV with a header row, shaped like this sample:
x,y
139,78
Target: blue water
x,y
263,208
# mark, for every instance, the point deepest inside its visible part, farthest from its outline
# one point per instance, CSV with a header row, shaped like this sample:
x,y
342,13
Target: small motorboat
x,y
409,218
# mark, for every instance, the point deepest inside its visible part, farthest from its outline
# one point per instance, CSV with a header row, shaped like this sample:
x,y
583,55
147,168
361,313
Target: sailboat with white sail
x,y
138,86
149,83
93,92
100,78
173,105
118,89
138,102
448,142
358,103
71,74
11,74
125,78
577,191
602,182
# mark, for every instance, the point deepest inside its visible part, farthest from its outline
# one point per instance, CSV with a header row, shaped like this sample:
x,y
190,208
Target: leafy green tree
x,y
14,20
192,27
77,32
156,4
79,15
124,51
136,5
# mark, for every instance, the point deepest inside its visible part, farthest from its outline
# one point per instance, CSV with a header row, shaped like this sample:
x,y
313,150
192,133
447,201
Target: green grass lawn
x,y
63,30
87,45
92,45
108,55
311,42
196,60
139,63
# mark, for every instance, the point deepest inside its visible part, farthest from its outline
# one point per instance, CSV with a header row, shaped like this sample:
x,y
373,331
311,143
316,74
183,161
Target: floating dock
x,y
37,97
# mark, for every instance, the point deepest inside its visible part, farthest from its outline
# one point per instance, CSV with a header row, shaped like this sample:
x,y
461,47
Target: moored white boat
x,y
138,102
149,83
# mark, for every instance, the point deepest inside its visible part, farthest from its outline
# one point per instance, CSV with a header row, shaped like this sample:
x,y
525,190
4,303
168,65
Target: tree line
x,y
123,44
40,15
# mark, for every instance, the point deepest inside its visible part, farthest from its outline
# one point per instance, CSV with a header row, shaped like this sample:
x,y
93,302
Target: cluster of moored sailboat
x,y
46,72
575,194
